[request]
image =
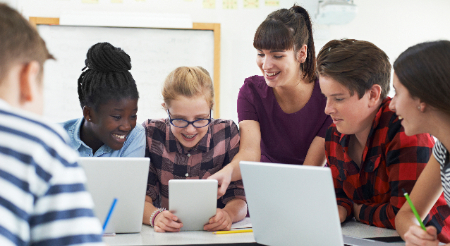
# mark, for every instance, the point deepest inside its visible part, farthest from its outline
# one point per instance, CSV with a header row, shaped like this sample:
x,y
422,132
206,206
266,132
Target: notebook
x,y
193,201
294,205
124,178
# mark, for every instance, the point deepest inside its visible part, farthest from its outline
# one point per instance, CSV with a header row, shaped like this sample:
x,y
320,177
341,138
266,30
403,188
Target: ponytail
x,y
309,66
286,29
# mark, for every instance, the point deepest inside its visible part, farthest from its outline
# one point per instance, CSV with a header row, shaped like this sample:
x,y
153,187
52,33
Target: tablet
x,y
193,201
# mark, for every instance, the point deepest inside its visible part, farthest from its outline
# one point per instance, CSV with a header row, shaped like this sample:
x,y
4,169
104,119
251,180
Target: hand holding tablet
x,y
193,202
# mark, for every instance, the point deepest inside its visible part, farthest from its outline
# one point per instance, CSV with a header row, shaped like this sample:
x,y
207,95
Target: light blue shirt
x,y
134,146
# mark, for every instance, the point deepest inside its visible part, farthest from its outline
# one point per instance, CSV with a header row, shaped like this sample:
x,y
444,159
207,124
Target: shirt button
x,y
188,155
187,174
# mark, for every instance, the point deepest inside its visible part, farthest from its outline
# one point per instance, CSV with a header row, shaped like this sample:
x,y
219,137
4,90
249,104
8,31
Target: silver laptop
x,y
294,205
124,178
193,201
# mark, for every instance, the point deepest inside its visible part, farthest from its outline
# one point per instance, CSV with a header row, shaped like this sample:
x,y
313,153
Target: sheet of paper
x,y
245,223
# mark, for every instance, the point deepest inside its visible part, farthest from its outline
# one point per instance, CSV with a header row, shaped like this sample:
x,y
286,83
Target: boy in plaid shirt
x,y
370,156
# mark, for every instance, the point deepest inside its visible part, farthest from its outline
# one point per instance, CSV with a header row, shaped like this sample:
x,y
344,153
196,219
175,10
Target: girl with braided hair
x,y
281,114
109,99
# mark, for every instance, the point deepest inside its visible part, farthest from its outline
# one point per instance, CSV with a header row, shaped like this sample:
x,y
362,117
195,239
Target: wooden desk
x,y
149,237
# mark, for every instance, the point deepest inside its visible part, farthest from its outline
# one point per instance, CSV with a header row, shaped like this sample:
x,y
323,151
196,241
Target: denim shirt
x,y
134,146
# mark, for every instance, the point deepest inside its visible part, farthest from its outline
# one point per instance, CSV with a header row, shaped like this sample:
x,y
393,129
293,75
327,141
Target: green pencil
x,y
414,210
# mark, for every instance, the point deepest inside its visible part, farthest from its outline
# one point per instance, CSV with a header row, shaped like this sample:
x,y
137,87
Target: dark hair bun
x,y
104,57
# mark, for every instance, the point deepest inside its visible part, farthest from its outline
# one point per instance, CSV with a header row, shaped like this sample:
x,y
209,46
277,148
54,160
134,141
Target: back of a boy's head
x,y
356,64
19,42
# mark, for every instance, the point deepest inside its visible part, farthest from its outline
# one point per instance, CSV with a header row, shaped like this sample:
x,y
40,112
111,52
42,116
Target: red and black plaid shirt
x,y
391,162
169,160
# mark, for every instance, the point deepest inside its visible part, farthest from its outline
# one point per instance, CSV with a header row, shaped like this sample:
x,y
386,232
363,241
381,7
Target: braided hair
x,y
106,76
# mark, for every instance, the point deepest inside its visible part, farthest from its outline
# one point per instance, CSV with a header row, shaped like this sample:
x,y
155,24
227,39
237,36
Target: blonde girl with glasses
x,y
189,144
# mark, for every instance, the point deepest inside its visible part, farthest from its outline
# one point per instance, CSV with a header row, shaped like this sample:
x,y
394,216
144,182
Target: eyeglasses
x,y
181,123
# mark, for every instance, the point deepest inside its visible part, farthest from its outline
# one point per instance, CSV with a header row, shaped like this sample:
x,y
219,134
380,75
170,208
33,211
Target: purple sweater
x,y
285,138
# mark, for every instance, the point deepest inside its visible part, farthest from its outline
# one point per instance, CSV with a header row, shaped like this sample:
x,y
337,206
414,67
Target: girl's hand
x,y
219,222
417,236
167,222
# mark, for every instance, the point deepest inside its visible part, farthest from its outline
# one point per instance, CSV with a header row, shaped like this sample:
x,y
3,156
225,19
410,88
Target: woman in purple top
x,y
281,114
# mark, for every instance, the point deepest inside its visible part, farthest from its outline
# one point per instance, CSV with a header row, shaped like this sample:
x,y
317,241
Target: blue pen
x,y
109,214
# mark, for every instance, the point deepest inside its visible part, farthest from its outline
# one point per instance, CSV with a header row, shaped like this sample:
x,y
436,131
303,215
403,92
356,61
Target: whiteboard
x,y
154,54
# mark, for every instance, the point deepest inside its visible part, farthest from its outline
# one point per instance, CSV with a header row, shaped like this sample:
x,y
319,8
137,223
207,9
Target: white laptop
x,y
124,178
193,201
294,205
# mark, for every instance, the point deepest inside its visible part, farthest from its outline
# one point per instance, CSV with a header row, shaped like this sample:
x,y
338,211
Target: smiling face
x,y
279,67
407,109
189,109
350,114
113,121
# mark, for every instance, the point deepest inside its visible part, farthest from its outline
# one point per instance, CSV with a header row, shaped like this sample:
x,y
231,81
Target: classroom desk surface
x,y
149,237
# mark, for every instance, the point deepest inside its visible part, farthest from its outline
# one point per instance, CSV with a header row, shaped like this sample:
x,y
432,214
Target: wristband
x,y
154,214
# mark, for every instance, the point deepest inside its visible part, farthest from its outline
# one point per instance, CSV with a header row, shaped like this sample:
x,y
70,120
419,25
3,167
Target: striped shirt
x,y
441,155
43,200
169,160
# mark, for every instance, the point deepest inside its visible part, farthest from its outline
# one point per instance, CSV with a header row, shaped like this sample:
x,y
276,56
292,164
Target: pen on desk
x,y
233,231
109,214
414,210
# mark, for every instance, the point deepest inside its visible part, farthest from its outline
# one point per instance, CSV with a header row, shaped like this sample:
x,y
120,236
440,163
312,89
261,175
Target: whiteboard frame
x,y
215,27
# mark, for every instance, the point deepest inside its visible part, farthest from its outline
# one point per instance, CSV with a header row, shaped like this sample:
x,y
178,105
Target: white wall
x,y
393,25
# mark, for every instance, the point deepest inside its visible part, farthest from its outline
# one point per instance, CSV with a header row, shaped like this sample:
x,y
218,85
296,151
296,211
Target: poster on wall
x,y
229,4
209,4
251,4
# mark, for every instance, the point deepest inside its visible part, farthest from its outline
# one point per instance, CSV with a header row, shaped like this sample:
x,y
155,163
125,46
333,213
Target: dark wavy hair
x,y
286,29
106,76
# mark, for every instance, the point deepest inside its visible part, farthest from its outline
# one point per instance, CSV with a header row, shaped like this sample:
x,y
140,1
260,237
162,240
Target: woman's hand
x,y
167,222
219,222
417,236
223,178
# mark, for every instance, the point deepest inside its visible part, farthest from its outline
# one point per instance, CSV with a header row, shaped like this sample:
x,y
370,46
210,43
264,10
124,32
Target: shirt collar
x,y
173,145
76,142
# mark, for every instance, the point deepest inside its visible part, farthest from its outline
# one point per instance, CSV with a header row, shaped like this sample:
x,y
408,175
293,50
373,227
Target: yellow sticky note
x,y
209,4
89,1
251,4
229,4
273,3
